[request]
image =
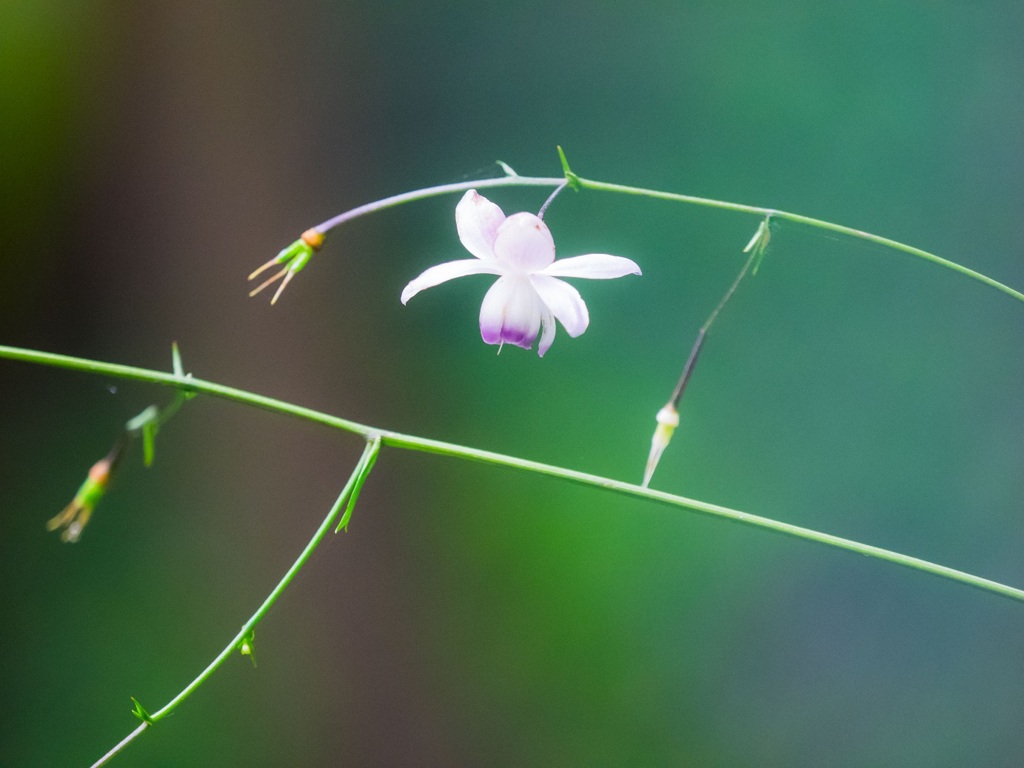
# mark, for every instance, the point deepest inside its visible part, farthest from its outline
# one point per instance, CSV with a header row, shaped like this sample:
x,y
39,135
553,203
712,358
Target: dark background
x,y
153,154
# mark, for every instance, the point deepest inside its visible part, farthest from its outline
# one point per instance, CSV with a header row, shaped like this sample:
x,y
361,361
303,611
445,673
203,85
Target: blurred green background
x,y
153,154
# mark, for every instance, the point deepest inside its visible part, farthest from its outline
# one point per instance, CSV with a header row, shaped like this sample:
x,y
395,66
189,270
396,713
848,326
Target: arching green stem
x,y
807,221
623,189
357,477
426,445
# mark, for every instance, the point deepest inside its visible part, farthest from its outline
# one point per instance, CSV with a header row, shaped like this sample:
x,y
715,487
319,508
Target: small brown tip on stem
x,y
100,471
264,268
314,238
281,287
278,276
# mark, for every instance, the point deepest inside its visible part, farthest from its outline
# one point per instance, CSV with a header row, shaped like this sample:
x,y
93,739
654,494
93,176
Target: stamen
x,y
66,516
287,279
278,276
265,267
72,533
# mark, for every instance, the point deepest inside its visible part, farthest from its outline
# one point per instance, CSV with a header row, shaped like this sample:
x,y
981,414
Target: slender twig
x,y
691,361
358,475
120,745
603,186
667,417
427,445
807,221
442,189
551,198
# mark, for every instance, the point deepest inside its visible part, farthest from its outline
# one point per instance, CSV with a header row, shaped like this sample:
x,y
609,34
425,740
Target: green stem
x,y
603,186
358,475
691,361
426,445
441,189
120,745
372,446
187,385
807,221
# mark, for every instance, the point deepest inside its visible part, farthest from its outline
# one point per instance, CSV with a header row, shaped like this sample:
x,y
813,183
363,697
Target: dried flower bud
x,y
294,258
76,514
668,420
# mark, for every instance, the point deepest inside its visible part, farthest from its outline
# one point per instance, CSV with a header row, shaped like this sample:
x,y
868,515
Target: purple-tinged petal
x,y
596,266
477,220
524,243
510,313
547,334
448,271
492,310
563,301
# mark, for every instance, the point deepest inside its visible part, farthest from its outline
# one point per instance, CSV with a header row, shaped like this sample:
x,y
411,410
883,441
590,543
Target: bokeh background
x,y
153,154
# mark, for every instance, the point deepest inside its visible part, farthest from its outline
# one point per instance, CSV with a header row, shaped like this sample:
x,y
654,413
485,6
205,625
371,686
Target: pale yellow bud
x,y
668,420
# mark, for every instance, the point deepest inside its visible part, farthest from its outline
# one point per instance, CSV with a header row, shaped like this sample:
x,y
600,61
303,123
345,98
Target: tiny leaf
x,y
148,442
151,413
179,371
247,646
572,178
759,243
140,712
368,461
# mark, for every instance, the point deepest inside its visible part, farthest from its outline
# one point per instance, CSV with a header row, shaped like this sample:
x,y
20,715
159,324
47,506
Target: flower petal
x,y
547,335
596,266
477,220
563,301
511,312
524,243
448,271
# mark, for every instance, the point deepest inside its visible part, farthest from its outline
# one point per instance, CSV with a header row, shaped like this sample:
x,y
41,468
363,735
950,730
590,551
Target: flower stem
x,y
427,445
442,189
807,221
551,199
120,745
603,186
691,361
358,475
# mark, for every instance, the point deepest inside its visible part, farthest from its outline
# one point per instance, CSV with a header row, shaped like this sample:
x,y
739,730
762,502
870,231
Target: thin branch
x,y
120,745
807,221
363,466
602,186
691,361
441,189
426,445
551,198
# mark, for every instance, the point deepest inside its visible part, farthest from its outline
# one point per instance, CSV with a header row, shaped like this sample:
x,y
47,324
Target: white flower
x,y
527,296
